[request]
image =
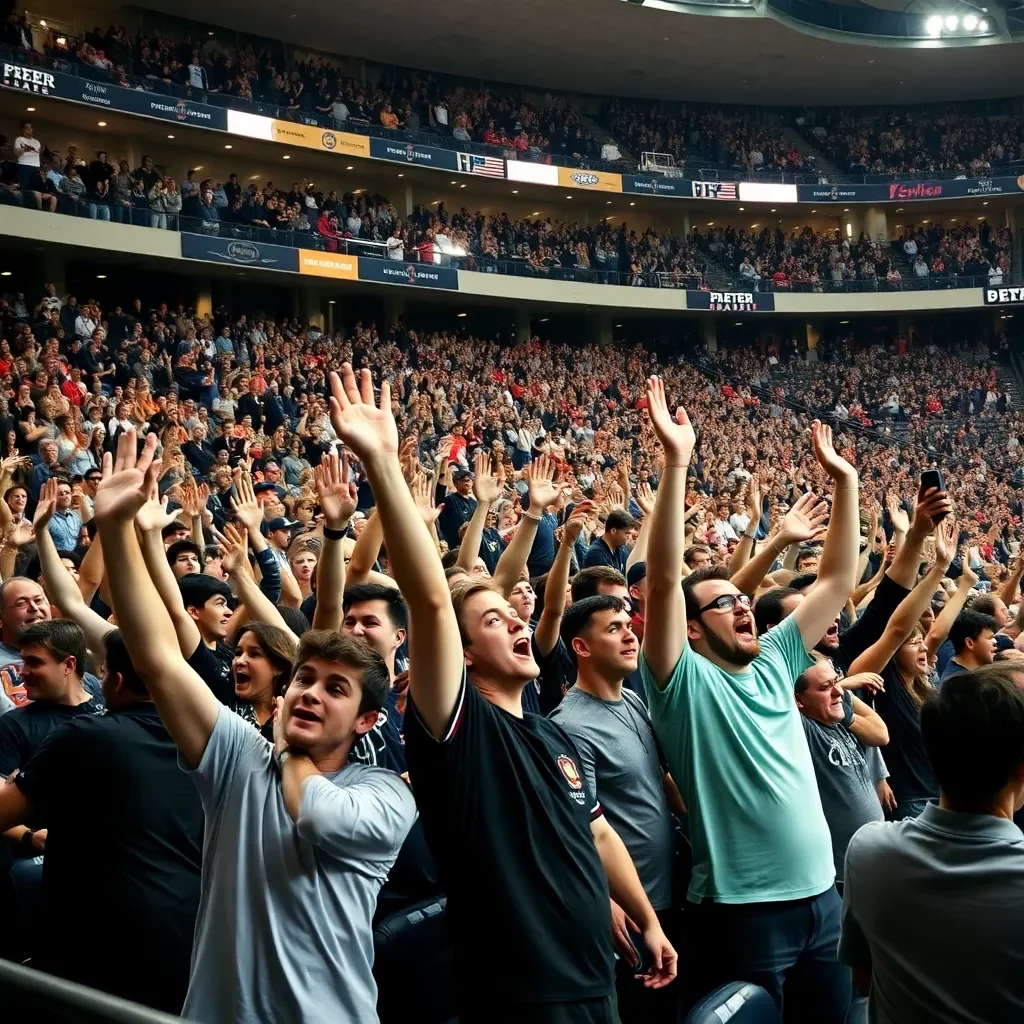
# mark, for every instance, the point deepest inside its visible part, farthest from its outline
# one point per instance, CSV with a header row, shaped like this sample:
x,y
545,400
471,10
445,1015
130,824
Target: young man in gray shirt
x,y
933,905
623,767
839,727
297,842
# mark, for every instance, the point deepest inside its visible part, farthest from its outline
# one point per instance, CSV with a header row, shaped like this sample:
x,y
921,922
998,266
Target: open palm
x,y
337,496
805,520
674,432
128,479
367,429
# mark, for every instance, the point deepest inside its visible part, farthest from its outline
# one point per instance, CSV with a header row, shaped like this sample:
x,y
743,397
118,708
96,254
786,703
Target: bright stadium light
x,y
983,25
934,25
952,22
971,22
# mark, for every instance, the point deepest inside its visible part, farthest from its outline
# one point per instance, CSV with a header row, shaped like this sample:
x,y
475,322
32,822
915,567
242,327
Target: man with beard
x,y
722,705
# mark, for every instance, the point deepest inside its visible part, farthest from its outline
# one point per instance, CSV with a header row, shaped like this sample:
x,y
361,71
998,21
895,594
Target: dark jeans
x,y
639,1005
580,1011
788,948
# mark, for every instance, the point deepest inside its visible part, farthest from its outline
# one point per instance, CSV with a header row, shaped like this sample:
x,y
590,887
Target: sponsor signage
x,y
329,264
239,253
676,187
419,275
535,174
410,153
911,191
1003,296
112,97
731,302
311,137
597,181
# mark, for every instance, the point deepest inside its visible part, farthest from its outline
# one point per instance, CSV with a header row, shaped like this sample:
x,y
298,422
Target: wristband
x,y
330,534
536,519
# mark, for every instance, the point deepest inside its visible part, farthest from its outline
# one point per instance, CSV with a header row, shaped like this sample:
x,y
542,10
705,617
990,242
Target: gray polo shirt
x,y
846,781
283,931
934,905
622,765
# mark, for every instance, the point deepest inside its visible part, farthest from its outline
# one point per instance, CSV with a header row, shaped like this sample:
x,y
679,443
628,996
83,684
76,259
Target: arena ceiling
x,y
613,47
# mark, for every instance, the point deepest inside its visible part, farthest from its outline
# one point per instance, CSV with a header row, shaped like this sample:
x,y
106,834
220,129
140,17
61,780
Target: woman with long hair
x,y
260,670
902,656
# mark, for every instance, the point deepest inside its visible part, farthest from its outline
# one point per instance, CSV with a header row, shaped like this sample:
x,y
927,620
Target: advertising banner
x,y
112,97
732,302
911,191
409,153
713,189
239,253
419,275
598,181
312,137
653,186
329,264
1003,296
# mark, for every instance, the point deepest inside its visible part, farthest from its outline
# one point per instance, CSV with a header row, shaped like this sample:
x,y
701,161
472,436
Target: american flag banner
x,y
713,189
491,166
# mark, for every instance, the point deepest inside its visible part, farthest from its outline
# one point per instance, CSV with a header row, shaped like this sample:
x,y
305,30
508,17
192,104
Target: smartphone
x,y
933,478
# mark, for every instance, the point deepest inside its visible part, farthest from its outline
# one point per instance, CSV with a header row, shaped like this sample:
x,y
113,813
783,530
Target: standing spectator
x,y
27,149
924,894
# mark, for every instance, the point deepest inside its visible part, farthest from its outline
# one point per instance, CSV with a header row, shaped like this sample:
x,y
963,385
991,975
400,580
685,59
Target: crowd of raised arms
x,y
922,142
38,174
479,680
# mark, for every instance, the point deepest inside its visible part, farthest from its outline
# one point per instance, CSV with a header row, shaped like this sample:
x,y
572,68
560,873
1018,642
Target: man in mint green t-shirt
x,y
721,701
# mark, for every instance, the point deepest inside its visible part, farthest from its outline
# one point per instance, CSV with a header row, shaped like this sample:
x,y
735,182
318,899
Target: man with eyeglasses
x,y
721,701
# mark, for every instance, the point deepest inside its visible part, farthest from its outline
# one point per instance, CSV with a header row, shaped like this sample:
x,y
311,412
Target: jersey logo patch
x,y
568,768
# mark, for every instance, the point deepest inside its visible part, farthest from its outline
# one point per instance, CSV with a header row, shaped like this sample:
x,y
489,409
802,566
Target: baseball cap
x,y
264,485
281,523
635,573
461,474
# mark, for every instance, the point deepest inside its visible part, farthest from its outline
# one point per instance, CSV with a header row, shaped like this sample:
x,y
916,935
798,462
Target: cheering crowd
x,y
404,684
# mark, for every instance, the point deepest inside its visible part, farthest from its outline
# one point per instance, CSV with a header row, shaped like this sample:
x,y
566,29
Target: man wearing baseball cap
x,y
458,507
278,536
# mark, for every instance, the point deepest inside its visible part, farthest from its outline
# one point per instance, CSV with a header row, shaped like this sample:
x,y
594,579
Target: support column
x,y
524,324
310,308
204,300
876,224
54,265
709,333
600,325
409,205
394,308
1018,246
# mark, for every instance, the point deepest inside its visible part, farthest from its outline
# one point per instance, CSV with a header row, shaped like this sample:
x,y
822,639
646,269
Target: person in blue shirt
x,y
613,547
458,508
66,523
764,904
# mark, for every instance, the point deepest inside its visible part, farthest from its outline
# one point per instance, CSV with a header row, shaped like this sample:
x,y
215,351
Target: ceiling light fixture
x,y
170,136
933,26
971,22
31,110
952,22
460,315
101,277
102,124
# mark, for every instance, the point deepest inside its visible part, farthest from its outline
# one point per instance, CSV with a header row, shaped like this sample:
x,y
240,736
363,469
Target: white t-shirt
x,y
29,155
396,248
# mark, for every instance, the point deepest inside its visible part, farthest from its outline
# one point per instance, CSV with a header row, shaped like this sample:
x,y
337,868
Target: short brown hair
x,y
462,590
708,572
60,638
332,646
586,582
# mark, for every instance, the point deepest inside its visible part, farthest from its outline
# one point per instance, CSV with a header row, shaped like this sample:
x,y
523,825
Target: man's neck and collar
x,y
597,685
993,817
501,696
76,694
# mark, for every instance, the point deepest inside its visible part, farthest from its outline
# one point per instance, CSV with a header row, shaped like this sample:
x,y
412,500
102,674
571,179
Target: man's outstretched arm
x,y
186,705
435,650
665,622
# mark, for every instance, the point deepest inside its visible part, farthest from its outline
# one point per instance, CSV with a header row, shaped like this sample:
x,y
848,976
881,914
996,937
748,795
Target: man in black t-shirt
x,y
123,857
523,848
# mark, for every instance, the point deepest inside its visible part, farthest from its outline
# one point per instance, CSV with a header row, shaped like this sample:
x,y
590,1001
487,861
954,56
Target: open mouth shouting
x,y
305,714
521,647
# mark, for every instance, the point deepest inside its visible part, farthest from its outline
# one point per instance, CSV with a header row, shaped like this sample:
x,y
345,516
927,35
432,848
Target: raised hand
x,y
233,549
805,520
946,534
900,520
578,520
693,510
754,495
128,478
369,430
422,491
47,505
540,478
190,499
828,458
645,498
153,516
933,506
488,483
338,496
870,681
246,508
19,534
675,433
970,577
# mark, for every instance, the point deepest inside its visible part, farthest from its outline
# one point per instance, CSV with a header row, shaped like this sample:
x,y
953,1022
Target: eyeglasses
x,y
726,603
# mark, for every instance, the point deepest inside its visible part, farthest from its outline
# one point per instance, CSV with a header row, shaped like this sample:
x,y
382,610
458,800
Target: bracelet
x,y
330,534
536,519
750,536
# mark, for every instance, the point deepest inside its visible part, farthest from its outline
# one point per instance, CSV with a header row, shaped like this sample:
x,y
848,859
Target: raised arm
x,y
1009,592
911,608
365,552
645,498
252,599
804,521
487,487
186,705
152,517
931,506
338,499
539,476
545,636
435,650
665,624
745,547
954,606
91,571
839,558
61,588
